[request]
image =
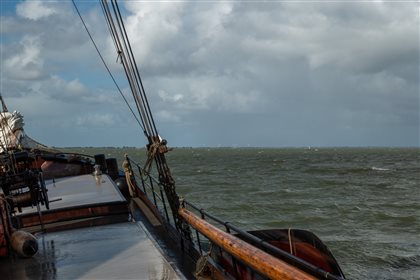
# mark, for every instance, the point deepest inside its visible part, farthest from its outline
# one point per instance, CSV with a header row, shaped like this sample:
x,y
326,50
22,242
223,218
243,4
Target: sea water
x,y
364,203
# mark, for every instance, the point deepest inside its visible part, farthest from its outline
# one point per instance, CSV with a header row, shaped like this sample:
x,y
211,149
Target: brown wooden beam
x,y
68,214
260,261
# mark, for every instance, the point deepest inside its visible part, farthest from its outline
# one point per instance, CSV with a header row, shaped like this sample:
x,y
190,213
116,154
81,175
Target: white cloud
x,y
34,10
27,64
92,119
166,97
154,25
298,63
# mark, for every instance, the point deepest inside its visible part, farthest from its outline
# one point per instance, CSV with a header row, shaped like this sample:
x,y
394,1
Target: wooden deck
x,y
77,191
88,247
117,251
76,201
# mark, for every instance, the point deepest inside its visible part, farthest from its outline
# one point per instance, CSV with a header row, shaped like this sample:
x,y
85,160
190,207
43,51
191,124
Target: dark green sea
x,y
364,203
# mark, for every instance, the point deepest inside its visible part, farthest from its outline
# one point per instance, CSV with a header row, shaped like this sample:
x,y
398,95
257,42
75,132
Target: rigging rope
x,y
6,132
4,109
156,146
124,50
107,68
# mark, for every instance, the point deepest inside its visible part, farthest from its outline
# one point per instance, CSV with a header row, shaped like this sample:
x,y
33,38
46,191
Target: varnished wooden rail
x,y
259,260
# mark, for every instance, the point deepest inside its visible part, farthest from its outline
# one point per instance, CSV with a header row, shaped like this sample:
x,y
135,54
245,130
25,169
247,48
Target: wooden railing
x,y
269,262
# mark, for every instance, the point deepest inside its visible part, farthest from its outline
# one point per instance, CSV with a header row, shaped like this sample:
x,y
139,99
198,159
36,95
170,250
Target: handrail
x,y
259,260
149,182
267,248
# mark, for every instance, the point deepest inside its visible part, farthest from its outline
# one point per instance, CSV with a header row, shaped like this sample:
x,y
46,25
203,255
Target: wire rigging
x,y
125,52
107,68
157,146
134,64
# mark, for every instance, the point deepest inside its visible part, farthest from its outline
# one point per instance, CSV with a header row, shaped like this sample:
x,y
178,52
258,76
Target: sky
x,y
218,73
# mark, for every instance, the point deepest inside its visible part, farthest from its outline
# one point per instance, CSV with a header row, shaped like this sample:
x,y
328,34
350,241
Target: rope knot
x,y
157,146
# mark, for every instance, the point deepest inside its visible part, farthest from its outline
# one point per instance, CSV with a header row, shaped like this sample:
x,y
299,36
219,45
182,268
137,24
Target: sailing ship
x,y
71,216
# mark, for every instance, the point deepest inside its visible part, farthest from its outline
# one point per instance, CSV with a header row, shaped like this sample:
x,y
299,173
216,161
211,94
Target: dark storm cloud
x,y
348,71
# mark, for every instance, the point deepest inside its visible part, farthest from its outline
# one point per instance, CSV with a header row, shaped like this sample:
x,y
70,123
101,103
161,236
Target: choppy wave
x,y
403,262
380,168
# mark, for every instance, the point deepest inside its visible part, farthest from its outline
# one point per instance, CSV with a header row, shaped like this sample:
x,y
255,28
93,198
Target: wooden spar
x,y
260,261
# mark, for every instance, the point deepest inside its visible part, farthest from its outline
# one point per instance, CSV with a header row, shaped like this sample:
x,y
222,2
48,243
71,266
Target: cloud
x,y
293,72
34,10
331,65
26,64
96,120
166,97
